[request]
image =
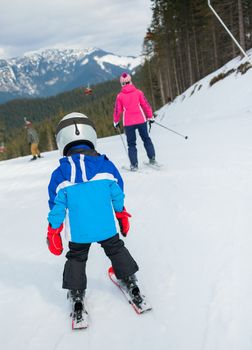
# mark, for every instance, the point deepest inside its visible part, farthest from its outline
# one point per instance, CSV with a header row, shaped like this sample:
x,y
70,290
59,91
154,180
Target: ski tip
x,y
141,309
81,324
79,328
156,166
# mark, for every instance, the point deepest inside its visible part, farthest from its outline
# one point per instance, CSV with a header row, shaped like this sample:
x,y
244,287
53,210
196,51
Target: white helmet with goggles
x,y
75,129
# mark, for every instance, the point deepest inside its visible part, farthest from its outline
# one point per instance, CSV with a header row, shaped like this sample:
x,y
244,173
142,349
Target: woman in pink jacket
x,y
136,111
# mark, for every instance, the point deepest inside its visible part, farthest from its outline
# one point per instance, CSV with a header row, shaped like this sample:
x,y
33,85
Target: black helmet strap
x,y
77,131
67,122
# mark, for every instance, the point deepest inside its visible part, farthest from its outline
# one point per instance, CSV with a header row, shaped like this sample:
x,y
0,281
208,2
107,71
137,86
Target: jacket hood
x,y
79,168
127,89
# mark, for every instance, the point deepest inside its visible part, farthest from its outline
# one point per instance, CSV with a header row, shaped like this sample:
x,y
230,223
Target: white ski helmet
x,y
73,129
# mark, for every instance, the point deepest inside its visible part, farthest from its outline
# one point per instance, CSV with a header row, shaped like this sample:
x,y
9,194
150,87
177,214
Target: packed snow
x,y
190,234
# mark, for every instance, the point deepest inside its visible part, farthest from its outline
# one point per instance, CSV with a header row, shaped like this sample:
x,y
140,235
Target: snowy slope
x,y
190,233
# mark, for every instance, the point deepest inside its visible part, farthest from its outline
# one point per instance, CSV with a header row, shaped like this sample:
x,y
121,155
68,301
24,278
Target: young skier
x,y
136,112
85,193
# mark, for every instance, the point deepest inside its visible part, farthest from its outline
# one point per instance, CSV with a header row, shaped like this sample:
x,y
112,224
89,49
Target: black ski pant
x,y
74,275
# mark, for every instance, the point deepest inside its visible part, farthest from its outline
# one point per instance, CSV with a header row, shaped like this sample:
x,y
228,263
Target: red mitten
x,y
54,241
123,219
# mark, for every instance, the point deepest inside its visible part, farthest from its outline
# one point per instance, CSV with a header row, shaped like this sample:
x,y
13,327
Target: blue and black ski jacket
x,y
85,191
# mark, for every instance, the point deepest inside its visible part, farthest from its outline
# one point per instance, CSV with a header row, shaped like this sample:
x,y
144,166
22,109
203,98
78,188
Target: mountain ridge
x,y
52,71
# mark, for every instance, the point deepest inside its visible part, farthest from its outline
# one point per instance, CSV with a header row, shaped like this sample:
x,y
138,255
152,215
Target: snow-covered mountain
x,y
49,72
190,234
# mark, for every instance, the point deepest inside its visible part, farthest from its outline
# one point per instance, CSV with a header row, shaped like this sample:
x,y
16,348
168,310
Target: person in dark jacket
x,y
85,196
33,140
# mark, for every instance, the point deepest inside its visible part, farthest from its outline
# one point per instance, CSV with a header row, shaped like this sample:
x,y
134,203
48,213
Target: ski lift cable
x,y
229,32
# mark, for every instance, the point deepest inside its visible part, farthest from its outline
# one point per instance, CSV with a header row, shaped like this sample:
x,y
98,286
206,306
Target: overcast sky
x,y
118,26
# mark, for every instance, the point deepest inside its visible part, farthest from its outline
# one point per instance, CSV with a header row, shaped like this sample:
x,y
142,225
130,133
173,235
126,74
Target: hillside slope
x,y
190,233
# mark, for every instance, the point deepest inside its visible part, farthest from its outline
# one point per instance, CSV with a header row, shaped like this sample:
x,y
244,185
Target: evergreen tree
x,y
186,41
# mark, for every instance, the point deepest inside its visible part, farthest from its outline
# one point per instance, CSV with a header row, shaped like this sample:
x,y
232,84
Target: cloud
x,y
114,25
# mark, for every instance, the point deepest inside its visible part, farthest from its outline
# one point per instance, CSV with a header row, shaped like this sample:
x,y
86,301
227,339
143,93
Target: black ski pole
x,y
185,137
120,134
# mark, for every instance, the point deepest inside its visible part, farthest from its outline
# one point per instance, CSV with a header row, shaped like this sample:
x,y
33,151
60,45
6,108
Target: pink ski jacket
x,y
134,106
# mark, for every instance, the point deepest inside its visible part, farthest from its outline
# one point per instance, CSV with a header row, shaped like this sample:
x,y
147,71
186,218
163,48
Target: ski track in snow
x,y
190,233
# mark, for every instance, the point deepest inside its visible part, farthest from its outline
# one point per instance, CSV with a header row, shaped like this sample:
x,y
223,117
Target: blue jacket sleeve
x,y
52,187
55,180
117,175
57,214
117,197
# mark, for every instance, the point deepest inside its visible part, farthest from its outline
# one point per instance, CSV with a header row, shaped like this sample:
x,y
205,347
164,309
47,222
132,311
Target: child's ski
x,y
79,314
138,301
79,319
